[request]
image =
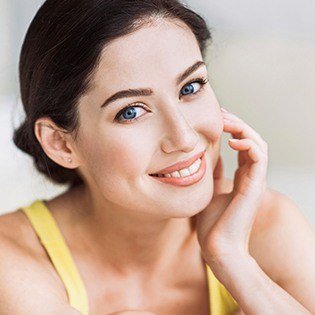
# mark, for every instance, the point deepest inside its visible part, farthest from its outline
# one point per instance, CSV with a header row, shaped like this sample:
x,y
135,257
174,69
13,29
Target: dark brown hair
x,y
60,51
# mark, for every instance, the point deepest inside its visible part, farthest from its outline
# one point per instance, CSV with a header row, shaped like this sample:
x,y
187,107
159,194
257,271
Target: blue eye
x,y
189,87
129,112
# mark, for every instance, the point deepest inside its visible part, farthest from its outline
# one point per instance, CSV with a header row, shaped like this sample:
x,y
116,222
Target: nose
x,y
179,134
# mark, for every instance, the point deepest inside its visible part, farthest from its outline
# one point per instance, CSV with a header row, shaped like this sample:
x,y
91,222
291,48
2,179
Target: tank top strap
x,y
221,301
51,238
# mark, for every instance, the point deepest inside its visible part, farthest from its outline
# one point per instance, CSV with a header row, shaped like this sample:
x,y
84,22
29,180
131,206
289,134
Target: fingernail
x,y
224,110
233,140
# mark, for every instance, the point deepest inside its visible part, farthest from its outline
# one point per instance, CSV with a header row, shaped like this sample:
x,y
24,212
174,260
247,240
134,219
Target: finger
x,y
242,127
240,130
258,157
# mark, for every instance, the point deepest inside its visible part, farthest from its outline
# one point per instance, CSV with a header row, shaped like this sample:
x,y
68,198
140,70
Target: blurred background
x,y
262,68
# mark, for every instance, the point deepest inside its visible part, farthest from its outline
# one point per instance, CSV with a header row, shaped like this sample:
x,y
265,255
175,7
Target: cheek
x,y
122,155
126,156
209,121
214,118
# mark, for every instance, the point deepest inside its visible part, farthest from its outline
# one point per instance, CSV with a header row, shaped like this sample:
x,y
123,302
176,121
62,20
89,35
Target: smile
x,y
184,177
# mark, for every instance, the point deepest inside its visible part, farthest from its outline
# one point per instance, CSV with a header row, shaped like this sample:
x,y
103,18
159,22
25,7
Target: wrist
x,y
237,260
226,258
226,267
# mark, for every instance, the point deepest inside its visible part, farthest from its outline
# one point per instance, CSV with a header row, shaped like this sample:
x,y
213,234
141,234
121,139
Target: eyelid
x,y
200,78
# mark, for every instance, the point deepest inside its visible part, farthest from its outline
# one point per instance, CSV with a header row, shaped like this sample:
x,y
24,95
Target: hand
x,y
224,226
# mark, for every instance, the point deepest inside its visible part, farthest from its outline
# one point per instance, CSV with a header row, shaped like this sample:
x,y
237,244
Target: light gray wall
x,y
261,65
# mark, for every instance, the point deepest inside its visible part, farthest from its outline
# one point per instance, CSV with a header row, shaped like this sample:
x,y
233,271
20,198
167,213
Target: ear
x,y
56,143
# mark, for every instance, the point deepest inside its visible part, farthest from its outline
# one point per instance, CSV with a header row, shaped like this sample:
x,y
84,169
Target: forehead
x,y
159,49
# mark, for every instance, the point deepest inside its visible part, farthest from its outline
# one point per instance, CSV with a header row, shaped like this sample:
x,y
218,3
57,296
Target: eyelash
x,y
201,81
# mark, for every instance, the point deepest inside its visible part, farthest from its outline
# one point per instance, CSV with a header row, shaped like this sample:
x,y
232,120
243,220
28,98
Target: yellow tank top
x,y
45,226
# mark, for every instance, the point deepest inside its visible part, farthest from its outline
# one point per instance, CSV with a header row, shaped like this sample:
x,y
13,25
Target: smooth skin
x,y
224,229
278,221
138,232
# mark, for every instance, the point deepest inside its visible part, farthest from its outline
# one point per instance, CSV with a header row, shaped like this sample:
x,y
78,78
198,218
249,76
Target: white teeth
x,y
193,168
175,174
185,171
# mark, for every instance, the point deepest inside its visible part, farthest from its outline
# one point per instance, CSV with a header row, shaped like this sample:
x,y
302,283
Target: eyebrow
x,y
146,91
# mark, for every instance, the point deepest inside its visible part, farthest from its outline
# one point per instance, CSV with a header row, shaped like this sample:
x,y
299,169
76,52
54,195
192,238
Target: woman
x,y
117,101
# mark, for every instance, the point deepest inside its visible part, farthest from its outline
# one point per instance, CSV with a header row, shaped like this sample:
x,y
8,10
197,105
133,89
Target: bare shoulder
x,y
28,285
279,221
282,242
284,247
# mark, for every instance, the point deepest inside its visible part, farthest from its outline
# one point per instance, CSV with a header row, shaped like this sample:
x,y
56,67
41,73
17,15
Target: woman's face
x,y
177,121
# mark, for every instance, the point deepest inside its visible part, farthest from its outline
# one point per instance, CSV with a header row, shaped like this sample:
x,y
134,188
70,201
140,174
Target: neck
x,y
128,240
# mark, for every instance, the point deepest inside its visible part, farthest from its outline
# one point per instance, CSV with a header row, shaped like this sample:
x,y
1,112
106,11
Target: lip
x,y
187,180
180,165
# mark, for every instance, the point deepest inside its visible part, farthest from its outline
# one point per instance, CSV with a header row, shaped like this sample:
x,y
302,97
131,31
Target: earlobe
x,y
54,143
